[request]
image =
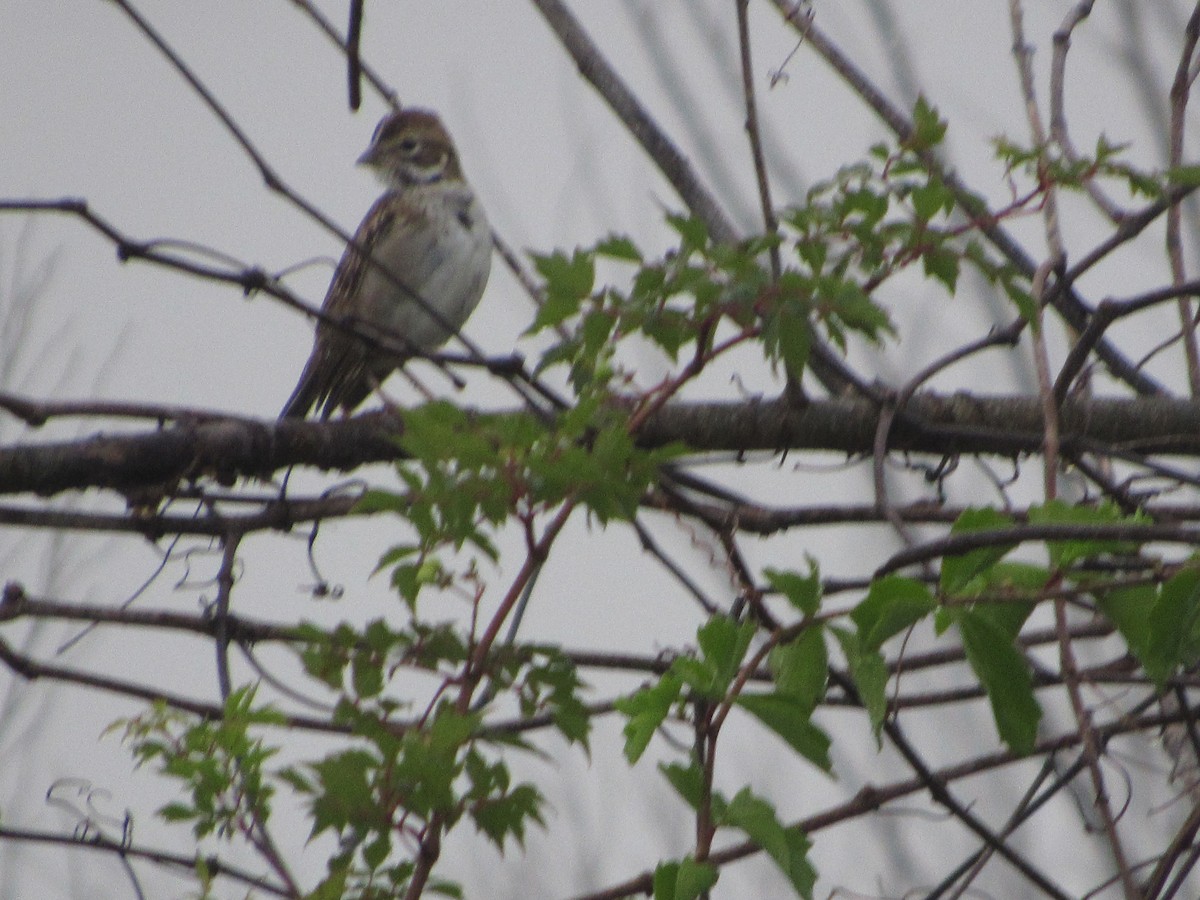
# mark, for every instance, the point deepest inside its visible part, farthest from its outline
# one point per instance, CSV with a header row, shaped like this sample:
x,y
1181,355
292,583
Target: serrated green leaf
x,y
801,667
957,571
508,815
928,127
930,199
786,846
345,793
366,675
619,246
1173,624
943,264
683,880
893,604
723,644
572,276
802,591
756,817
1004,675
1019,579
688,781
1130,610
854,307
377,850
645,711
869,673
795,340
569,280
787,717
869,202
691,229
1064,553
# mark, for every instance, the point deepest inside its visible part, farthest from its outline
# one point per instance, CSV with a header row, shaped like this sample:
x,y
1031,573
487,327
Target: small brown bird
x,y
431,233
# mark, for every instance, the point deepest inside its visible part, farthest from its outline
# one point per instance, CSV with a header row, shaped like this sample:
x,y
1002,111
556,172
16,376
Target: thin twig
x,y
353,58
1059,133
230,542
1181,90
1092,751
887,415
330,31
1063,296
770,222
612,87
175,861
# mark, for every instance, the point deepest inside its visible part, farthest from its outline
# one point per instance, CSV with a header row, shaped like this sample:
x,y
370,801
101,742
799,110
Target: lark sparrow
x,y
431,234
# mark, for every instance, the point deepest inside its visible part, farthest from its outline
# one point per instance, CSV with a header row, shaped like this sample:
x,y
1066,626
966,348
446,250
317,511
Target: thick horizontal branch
x,y
157,461
142,465
933,423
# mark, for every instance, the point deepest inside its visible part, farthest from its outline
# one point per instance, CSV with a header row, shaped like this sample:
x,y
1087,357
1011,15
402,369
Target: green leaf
x,y
691,229
723,644
683,880
177,812
787,847
801,667
892,604
688,781
788,718
573,277
346,798
1023,300
569,280
802,591
855,308
869,673
1184,176
1004,675
645,710
872,204
376,851
1130,610
1064,553
1173,624
795,340
508,814
619,246
958,570
943,264
568,710
367,675
928,128
930,199
333,887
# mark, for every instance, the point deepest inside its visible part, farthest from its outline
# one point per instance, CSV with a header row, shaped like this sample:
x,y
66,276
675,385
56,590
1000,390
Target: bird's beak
x,y
368,157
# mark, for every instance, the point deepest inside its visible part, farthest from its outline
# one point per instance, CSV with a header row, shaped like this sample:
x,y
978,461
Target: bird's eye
x,y
408,145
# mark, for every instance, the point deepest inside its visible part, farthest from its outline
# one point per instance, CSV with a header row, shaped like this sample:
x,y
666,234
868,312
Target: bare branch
x,y
1181,89
177,861
1062,295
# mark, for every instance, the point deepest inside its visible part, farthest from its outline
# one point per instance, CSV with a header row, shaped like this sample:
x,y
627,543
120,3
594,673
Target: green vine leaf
x,y
1004,675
